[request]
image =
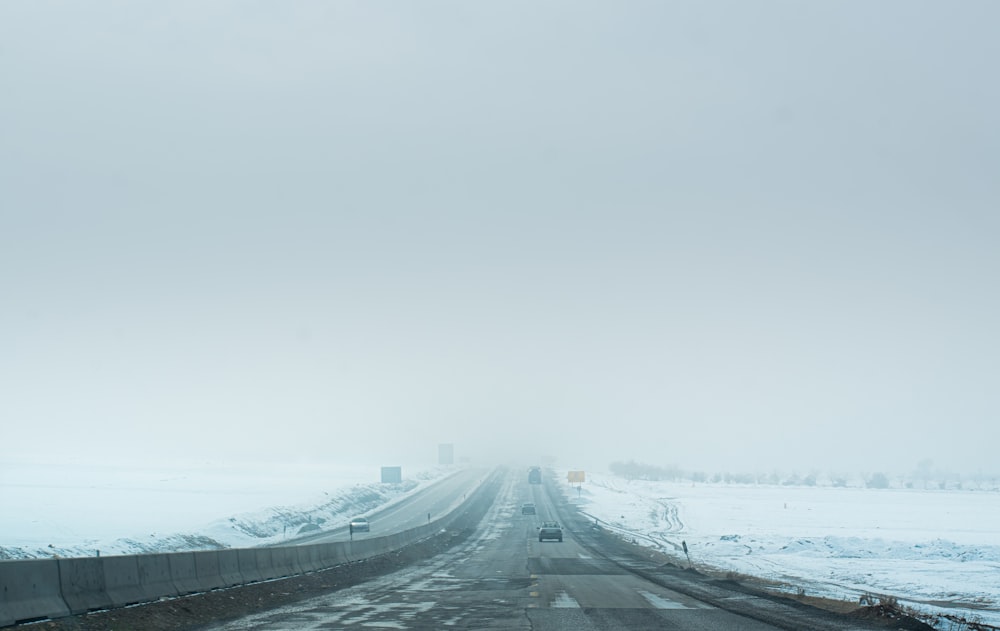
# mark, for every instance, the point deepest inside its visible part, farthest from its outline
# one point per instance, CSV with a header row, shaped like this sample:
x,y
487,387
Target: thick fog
x,y
719,235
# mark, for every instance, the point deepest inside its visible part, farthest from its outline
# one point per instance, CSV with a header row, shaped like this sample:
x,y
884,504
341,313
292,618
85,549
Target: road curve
x,y
415,510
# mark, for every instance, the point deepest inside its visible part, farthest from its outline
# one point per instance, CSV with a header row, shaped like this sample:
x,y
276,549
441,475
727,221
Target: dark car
x,y
360,524
550,530
527,509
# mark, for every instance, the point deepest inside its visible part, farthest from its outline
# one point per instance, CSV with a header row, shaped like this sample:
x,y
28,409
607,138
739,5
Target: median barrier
x,y
206,568
229,568
422,532
30,589
265,564
250,563
309,559
121,580
184,573
399,540
334,554
154,576
284,562
82,584
365,548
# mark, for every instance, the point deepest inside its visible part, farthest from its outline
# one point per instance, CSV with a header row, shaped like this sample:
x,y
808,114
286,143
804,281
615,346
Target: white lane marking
x,y
583,556
660,602
564,601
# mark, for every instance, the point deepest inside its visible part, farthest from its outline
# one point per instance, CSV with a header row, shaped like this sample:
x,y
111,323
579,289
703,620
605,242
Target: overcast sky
x,y
722,235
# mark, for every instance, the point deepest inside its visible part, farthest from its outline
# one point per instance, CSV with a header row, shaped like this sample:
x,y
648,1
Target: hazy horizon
x,y
719,235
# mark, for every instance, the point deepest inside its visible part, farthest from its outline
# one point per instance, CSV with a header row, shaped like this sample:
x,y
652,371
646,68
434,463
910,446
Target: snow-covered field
x,y
74,509
936,551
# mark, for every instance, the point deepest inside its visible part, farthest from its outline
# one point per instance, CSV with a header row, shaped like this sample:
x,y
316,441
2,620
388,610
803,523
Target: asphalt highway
x,y
504,578
429,503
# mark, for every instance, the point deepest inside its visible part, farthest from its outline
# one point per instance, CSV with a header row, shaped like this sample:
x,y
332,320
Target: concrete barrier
x,y
309,557
334,554
121,580
155,579
284,562
394,542
229,568
206,567
365,548
82,584
30,589
249,564
184,573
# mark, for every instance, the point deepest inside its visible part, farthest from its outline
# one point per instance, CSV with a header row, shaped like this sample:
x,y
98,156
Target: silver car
x,y
550,530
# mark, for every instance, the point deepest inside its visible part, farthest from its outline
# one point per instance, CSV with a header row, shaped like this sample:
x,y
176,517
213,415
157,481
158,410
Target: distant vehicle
x,y
535,475
550,530
360,524
528,509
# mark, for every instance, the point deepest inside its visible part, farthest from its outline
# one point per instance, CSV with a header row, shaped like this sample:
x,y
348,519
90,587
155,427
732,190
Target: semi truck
x,y
535,475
